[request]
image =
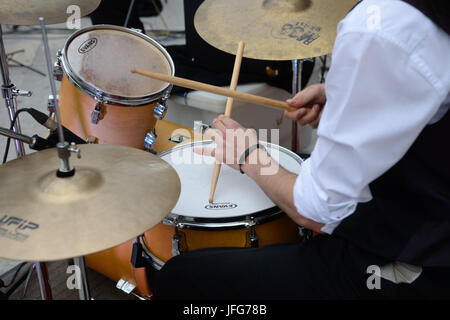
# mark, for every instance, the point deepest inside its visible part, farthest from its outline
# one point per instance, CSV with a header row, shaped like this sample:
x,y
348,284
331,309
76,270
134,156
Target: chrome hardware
x,y
160,110
12,91
137,30
200,127
95,116
51,103
125,286
74,148
176,244
21,93
57,68
149,141
178,138
254,241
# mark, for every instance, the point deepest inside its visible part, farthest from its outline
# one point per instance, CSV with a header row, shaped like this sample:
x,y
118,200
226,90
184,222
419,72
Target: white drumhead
x,y
236,194
103,57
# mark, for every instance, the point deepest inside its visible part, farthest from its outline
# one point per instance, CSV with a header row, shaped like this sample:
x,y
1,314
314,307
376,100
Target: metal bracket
x,y
57,69
74,149
149,141
178,138
176,245
161,108
253,237
125,286
96,114
51,103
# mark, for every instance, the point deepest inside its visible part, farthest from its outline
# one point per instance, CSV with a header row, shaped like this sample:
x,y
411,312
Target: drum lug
x,y
96,114
137,253
176,245
57,69
149,141
161,108
253,237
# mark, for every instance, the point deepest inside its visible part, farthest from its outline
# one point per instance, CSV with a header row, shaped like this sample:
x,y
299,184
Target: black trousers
x,y
324,267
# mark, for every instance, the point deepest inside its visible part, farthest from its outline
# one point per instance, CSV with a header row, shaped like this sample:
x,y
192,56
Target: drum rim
x,y
107,97
225,223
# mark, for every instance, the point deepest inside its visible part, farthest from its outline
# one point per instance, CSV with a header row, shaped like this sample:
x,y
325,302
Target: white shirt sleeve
x,y
378,102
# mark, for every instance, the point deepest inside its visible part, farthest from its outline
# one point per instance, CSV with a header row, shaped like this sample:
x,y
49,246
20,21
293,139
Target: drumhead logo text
x,y
220,206
87,46
10,227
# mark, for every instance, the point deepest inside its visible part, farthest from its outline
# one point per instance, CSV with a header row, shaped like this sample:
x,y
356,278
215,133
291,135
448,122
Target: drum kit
x,y
135,178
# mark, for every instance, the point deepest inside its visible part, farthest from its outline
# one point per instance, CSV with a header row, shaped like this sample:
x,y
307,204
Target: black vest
x,y
408,218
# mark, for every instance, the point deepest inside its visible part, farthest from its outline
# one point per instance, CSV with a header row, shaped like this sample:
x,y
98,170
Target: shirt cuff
x,y
312,202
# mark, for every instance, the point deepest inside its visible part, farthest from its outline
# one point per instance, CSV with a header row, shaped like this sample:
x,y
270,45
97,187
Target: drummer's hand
x,y
231,140
310,103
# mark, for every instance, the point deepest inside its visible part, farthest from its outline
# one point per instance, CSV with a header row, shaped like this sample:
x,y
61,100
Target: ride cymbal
x,y
272,29
27,12
117,193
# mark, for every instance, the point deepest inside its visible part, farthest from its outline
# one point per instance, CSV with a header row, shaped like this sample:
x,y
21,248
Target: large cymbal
x,y
272,29
27,12
117,193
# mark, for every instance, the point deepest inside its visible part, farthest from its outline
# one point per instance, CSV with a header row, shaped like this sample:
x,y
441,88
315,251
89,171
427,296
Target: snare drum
x,y
241,216
100,98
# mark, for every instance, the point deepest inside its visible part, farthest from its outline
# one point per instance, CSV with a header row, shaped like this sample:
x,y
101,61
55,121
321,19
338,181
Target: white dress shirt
x,y
389,78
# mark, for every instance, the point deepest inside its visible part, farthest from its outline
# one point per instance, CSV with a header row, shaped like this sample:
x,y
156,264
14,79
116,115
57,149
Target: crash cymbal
x,y
272,29
117,193
27,12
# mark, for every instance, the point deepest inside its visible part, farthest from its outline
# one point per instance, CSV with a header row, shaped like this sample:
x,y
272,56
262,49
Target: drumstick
x,y
216,90
228,108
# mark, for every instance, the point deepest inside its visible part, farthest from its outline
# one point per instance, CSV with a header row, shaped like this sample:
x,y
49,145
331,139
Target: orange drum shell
x,y
118,125
158,240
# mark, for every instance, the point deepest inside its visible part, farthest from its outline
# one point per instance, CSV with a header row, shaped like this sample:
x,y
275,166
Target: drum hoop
x,y
106,97
225,223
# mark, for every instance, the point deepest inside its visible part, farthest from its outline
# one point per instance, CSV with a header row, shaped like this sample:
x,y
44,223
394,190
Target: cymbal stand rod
x,y
84,288
44,285
297,66
10,94
63,146
130,9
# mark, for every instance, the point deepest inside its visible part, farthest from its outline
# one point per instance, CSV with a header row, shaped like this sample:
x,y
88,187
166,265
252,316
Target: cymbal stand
x,y
44,285
297,66
10,94
84,288
64,151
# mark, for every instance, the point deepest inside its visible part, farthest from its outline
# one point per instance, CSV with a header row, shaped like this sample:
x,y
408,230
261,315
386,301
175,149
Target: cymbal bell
x,y
117,193
272,29
27,12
